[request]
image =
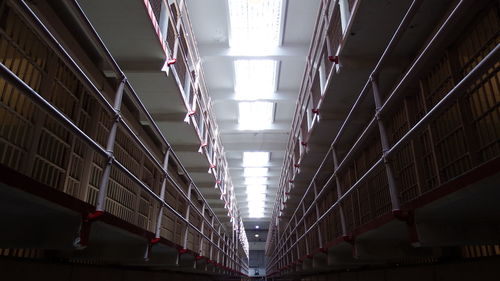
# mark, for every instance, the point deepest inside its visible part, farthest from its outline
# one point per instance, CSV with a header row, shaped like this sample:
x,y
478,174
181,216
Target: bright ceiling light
x,y
256,214
255,159
255,115
254,23
255,180
254,79
255,172
256,198
257,227
256,189
256,235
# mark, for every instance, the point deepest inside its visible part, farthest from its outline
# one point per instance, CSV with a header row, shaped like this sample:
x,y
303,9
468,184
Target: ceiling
x,y
271,64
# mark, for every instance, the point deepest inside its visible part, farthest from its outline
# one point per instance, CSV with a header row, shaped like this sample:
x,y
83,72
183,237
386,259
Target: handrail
x,y
391,45
116,68
299,104
185,21
304,88
184,17
107,106
40,101
491,58
450,97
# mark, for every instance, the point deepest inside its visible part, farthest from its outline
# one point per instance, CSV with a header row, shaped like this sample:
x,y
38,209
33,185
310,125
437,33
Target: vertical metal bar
x,y
218,244
416,152
224,249
188,209
320,237
202,228
139,190
103,185
212,238
384,140
339,193
88,155
38,115
431,137
162,192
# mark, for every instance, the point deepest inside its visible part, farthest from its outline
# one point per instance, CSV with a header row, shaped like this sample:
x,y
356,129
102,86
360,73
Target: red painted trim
x,y
485,170
93,216
182,251
24,183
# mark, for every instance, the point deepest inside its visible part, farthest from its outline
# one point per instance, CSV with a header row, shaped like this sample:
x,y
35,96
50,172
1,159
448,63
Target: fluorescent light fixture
x,y
255,159
256,198
255,180
255,115
257,227
256,235
254,79
254,23
256,189
256,213
255,172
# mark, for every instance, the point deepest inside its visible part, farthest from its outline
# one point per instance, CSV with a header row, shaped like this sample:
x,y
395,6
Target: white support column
x,y
110,145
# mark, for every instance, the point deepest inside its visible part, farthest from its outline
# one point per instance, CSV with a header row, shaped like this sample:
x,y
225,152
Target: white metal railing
x,y
179,17
233,261
284,241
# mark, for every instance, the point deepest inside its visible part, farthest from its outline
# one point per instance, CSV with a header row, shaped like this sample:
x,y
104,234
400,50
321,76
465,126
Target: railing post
x,y
202,228
162,192
339,192
224,249
156,238
218,244
81,241
384,141
210,255
103,185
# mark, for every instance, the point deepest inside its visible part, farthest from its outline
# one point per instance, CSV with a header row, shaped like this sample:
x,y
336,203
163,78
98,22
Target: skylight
x,y
255,115
256,199
256,213
254,79
255,180
255,159
255,172
256,189
255,30
254,23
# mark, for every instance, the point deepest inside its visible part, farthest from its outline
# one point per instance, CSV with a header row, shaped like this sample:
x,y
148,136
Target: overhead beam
x,y
215,52
253,146
225,95
227,126
276,162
